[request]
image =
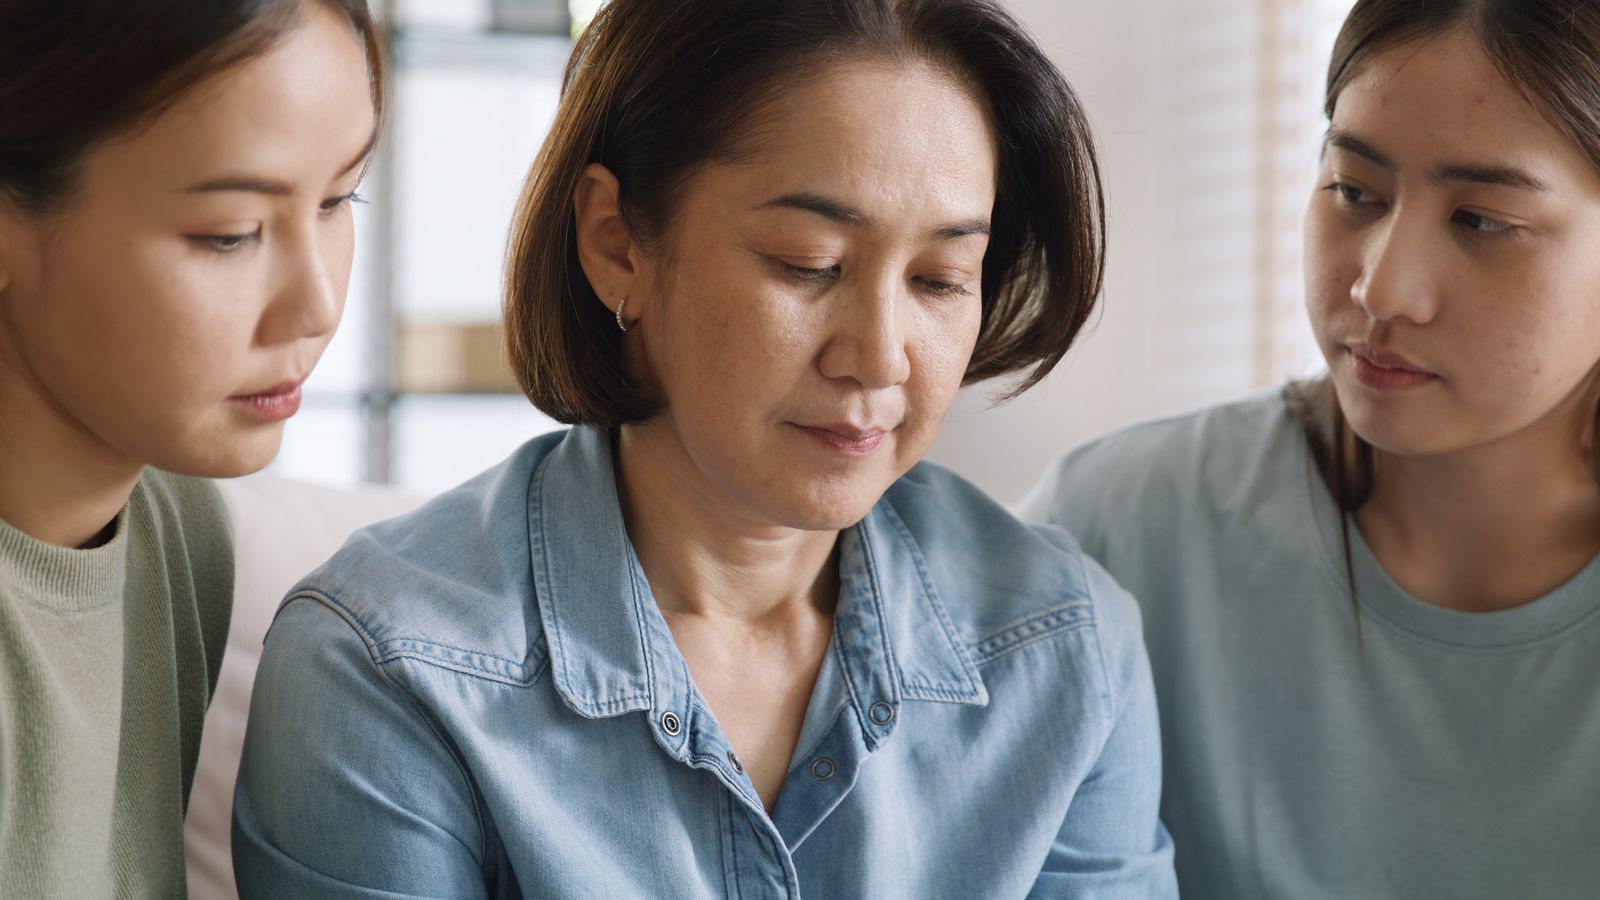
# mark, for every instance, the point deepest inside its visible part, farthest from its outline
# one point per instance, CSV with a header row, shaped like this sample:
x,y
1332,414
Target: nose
x,y
309,299
1399,272
868,344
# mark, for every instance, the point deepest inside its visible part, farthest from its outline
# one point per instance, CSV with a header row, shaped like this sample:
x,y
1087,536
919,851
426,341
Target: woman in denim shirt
x,y
726,637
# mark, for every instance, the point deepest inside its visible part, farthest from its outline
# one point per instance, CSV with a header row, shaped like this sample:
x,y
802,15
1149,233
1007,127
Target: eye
x,y
1481,224
333,204
225,243
943,288
808,275
1351,195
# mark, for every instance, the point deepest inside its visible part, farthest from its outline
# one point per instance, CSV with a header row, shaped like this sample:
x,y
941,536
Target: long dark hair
x,y
656,86
74,73
1547,49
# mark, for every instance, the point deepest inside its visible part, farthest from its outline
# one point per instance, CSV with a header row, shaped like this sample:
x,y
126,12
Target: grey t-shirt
x,y
1408,752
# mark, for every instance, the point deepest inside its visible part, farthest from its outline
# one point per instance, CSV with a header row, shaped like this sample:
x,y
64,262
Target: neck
x,y
1473,531
58,483
704,558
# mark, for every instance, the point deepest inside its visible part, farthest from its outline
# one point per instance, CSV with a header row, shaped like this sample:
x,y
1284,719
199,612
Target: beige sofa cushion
x,y
282,530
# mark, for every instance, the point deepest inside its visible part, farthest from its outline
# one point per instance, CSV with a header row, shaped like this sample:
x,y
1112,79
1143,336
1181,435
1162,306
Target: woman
x,y
175,243
725,637
1372,601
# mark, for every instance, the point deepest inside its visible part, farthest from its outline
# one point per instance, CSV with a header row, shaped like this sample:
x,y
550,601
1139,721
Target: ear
x,y
606,250
9,232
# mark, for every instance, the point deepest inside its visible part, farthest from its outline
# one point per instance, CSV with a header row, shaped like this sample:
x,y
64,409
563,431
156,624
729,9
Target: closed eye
x,y
332,204
945,289
225,243
808,275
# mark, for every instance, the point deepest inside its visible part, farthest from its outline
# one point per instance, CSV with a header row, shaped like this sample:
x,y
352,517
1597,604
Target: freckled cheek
x,y
939,357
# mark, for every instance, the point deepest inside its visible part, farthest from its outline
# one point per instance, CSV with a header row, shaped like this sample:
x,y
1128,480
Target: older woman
x,y
726,637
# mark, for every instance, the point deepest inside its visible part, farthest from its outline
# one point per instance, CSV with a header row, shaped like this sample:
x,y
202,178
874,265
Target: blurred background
x,y
1207,112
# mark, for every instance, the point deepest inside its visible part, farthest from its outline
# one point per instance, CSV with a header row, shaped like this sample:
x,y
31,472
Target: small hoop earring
x,y
622,324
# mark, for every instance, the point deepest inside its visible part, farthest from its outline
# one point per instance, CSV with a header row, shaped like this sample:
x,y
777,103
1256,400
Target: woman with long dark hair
x,y
1373,601
726,636
175,245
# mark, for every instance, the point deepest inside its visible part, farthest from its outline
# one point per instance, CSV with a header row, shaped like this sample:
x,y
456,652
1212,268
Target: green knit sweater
x,y
108,658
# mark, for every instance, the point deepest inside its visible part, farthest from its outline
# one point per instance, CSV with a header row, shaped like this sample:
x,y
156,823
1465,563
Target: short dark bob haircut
x,y
656,87
76,73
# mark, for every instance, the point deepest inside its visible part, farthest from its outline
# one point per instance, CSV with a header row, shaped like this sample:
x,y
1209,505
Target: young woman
x,y
175,243
1373,602
725,637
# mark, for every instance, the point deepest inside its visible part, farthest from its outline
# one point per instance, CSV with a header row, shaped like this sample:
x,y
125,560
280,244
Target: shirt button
x,y
733,760
670,723
881,713
823,768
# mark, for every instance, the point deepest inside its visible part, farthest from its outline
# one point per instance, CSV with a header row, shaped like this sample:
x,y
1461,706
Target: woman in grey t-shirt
x,y
1371,601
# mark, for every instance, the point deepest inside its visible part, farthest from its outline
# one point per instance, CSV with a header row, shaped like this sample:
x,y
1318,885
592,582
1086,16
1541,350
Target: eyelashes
x,y
823,277
227,244
1358,200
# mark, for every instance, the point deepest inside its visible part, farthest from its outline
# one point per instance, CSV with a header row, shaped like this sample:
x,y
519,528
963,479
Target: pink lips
x,y
1384,370
275,404
846,439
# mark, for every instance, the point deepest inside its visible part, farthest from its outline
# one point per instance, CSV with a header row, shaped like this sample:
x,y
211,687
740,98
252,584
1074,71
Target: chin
x,y
1393,432
823,506
224,455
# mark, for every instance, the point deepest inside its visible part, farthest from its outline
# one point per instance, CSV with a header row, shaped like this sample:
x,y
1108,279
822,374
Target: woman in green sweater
x,y
175,246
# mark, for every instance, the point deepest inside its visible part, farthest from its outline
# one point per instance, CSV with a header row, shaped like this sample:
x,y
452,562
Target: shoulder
x,y
1210,459
448,582
189,521
1006,583
186,506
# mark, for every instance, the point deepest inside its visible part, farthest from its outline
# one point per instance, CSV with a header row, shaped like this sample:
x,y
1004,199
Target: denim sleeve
x,y
345,789
1112,844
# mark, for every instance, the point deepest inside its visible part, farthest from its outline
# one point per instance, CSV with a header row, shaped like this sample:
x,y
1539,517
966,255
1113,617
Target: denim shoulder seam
x,y
487,666
378,664
1033,628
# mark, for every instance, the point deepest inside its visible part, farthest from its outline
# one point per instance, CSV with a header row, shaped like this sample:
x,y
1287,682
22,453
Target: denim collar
x,y
612,653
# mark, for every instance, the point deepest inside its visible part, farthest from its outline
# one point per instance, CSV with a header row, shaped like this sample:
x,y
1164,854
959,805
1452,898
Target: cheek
x,y
1329,270
152,320
722,344
941,353
1537,331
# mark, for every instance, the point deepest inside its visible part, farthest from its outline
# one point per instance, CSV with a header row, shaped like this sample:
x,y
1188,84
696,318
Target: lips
x,y
1386,370
274,404
846,438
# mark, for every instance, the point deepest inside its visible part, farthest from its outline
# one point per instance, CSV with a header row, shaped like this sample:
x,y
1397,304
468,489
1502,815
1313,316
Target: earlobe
x,y
605,248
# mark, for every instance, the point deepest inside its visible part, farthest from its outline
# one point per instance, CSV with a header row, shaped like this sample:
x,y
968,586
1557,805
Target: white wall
x,y
1121,368
1171,88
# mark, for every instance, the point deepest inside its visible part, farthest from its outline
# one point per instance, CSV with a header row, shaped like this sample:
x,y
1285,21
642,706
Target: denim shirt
x,y
481,699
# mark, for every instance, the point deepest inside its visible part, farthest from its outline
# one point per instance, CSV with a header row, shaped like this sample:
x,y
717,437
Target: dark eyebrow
x,y
253,185
831,210
1352,144
1502,176
834,211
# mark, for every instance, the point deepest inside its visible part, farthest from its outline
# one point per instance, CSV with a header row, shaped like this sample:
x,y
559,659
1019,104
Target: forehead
x,y
297,111
1444,98
888,136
